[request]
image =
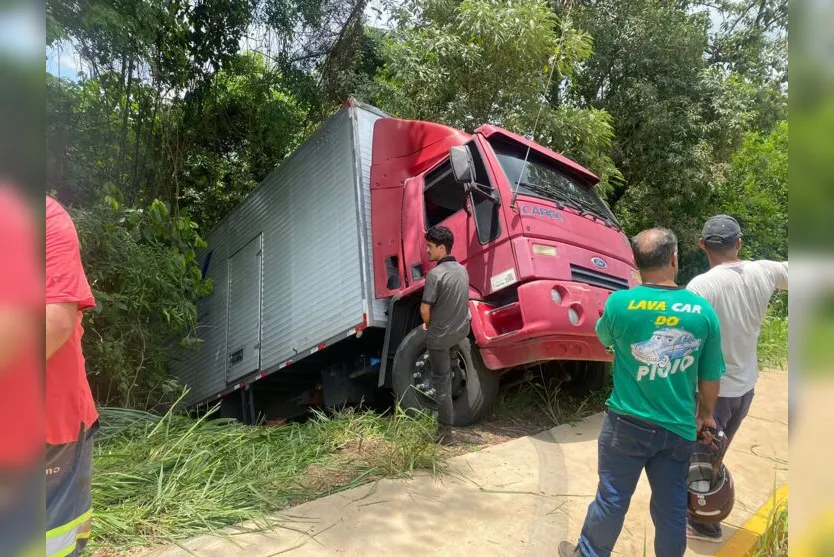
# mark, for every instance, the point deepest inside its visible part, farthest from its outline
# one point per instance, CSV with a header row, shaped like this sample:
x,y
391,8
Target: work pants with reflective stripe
x,y
69,472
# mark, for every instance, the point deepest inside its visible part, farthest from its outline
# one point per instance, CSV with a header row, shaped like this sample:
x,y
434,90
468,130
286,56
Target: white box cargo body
x,y
292,265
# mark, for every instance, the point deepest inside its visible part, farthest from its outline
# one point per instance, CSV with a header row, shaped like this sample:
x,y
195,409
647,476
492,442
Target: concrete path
x,y
517,498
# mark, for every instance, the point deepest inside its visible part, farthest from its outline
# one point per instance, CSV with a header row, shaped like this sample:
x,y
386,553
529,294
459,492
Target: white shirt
x,y
740,292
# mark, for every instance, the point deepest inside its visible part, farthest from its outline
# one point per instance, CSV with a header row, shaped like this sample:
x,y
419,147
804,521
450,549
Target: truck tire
x,y
474,392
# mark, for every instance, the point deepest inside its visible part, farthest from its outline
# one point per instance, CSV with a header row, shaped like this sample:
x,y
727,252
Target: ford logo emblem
x,y
599,262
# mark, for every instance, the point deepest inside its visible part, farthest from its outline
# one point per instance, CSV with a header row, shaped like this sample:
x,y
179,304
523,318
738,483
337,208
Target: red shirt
x,y
21,377
69,402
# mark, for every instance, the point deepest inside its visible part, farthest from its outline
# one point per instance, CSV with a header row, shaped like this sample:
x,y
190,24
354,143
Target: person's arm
x,y
604,330
429,298
67,289
707,398
779,271
425,314
711,368
60,324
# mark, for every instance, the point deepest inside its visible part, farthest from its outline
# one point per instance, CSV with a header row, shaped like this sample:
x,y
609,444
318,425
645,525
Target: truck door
x,y
432,199
492,263
413,225
243,333
436,198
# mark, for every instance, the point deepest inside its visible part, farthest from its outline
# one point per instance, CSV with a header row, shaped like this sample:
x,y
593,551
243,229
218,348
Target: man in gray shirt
x,y
446,317
740,292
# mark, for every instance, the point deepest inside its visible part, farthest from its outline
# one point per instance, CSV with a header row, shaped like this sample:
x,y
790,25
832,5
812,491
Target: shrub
x,y
141,265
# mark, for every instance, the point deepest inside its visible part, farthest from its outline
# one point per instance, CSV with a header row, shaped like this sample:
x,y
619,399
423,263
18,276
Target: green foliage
x,y
756,193
141,266
472,62
468,63
174,43
653,95
772,348
234,131
750,39
680,106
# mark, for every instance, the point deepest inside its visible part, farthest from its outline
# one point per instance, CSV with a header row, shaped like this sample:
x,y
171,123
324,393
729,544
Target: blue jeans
x,y
627,445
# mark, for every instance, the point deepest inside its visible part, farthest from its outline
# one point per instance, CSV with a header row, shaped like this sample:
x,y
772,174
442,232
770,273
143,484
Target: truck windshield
x,y
540,179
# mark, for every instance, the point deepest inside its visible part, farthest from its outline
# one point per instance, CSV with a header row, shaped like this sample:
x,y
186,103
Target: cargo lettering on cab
x,y
541,212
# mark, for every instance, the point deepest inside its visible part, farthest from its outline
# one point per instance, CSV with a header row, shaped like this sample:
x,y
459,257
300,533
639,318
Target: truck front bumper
x,y
552,320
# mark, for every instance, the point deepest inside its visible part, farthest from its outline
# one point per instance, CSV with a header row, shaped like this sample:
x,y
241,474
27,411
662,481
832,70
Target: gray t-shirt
x,y
740,292
447,292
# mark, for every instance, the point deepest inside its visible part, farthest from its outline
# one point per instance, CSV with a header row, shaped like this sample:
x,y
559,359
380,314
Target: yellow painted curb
x,y
744,540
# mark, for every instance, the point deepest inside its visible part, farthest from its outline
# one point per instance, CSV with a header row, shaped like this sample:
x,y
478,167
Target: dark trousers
x,y
69,472
441,382
627,446
729,413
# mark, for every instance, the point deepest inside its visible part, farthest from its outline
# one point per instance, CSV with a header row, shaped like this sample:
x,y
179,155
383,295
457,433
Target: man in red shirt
x,y
71,416
21,383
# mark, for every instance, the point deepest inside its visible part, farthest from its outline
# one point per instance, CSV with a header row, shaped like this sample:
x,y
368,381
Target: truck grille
x,y
595,278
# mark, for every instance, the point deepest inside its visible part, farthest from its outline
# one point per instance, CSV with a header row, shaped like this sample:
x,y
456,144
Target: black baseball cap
x,y
721,229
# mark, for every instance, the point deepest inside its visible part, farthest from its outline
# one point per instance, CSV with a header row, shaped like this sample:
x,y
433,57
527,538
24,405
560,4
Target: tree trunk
x,y
149,139
134,183
125,121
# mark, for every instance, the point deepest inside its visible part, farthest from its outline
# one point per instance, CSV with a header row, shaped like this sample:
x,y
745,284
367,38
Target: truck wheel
x,y
588,377
474,387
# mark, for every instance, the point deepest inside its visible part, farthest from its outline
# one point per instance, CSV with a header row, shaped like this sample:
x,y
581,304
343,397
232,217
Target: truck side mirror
x,y
462,166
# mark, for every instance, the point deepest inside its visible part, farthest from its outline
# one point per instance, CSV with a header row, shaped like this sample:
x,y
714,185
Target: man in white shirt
x,y
740,292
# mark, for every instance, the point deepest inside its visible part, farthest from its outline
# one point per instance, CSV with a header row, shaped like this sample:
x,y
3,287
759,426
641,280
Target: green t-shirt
x,y
665,340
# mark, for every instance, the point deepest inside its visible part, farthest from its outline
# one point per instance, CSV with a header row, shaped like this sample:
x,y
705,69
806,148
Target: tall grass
x,y
167,478
773,338
774,541
542,400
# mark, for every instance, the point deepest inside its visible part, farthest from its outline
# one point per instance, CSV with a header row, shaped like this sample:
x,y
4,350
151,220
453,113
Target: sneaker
x,y
704,532
567,549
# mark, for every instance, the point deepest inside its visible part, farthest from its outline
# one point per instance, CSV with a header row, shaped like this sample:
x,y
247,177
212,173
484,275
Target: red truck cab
x,y
542,249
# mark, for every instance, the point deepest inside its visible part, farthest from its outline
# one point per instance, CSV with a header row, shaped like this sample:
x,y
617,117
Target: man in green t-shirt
x,y
666,342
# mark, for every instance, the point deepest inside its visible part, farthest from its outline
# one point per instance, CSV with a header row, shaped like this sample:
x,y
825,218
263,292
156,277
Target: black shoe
x,y
443,436
703,532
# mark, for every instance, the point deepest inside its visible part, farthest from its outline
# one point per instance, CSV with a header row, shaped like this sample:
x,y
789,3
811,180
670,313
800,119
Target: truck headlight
x,y
557,297
573,316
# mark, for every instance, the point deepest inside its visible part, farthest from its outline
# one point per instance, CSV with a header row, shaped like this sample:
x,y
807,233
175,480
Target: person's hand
x,y
706,427
425,327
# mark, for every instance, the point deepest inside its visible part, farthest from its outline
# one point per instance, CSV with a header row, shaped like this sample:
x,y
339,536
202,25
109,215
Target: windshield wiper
x,y
551,193
584,207
607,218
597,212
593,209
